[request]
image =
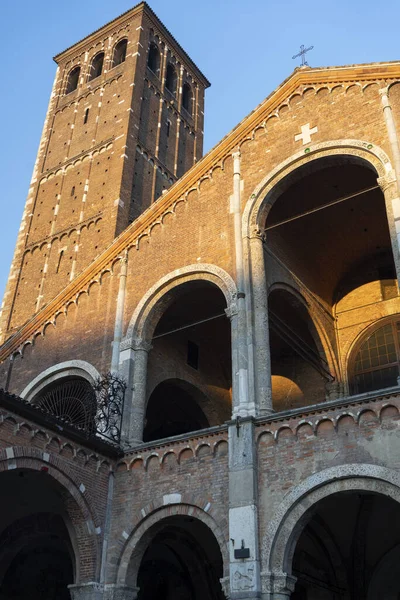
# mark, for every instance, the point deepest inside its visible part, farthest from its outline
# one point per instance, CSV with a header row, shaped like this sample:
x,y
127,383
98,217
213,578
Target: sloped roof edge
x,y
301,76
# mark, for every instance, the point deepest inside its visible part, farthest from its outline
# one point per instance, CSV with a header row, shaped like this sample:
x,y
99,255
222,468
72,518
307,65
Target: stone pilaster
x,y
243,518
133,368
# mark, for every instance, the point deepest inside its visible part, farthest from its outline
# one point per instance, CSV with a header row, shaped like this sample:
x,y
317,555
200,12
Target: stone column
x,y
243,518
277,586
389,187
262,355
133,368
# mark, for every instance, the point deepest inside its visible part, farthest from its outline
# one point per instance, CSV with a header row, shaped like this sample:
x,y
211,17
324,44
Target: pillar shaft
x,y
262,355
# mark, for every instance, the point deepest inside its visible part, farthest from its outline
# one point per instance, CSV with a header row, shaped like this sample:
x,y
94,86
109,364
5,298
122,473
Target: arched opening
x,y
153,60
37,560
73,80
119,54
344,549
174,407
189,376
181,560
187,98
171,79
96,67
376,361
327,235
298,366
72,400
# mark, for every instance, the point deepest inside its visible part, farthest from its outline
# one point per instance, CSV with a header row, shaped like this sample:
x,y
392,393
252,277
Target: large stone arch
x,y
136,345
253,219
77,368
140,537
150,307
294,511
360,150
82,521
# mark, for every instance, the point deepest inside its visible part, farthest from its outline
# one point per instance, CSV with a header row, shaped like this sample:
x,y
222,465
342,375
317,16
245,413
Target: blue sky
x,y
245,49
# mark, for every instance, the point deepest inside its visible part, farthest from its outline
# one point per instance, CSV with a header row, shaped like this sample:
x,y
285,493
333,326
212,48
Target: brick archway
x,y
143,319
81,522
293,513
139,539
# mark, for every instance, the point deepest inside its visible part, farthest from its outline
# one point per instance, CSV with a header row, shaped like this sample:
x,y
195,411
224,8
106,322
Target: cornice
x,y
129,237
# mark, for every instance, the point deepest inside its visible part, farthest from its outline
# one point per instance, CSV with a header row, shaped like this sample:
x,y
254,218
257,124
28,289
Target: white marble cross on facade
x,y
305,134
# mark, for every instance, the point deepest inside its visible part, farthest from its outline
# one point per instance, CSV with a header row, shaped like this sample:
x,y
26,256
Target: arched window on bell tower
x,y
119,54
171,79
187,98
73,80
96,66
153,60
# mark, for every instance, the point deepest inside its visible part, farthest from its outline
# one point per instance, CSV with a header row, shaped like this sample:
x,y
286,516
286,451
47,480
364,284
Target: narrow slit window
x,y
193,355
72,190
168,127
86,117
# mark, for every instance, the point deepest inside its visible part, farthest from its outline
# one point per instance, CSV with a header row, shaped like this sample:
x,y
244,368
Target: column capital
x,y
232,310
120,592
256,233
226,587
387,181
278,583
135,344
87,591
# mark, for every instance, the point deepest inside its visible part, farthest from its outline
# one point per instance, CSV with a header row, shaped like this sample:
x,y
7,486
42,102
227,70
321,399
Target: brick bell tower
x,y
125,121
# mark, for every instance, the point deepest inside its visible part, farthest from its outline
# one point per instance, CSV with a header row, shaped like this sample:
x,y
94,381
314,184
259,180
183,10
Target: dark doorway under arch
x,y
173,408
341,550
37,560
191,357
181,562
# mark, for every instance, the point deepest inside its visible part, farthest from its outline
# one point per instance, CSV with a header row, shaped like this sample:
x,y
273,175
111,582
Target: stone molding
x,y
80,368
203,271
359,148
134,544
291,517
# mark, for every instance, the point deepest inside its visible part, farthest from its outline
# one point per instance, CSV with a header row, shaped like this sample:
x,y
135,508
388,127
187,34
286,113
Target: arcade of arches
x,y
330,271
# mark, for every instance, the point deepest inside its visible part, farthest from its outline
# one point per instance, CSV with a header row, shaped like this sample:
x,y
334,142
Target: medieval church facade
x,y
200,355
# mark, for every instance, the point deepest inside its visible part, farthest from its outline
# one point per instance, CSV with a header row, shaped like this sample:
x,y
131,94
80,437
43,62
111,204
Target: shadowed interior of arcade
x,y
189,377
348,549
328,244
182,561
36,556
